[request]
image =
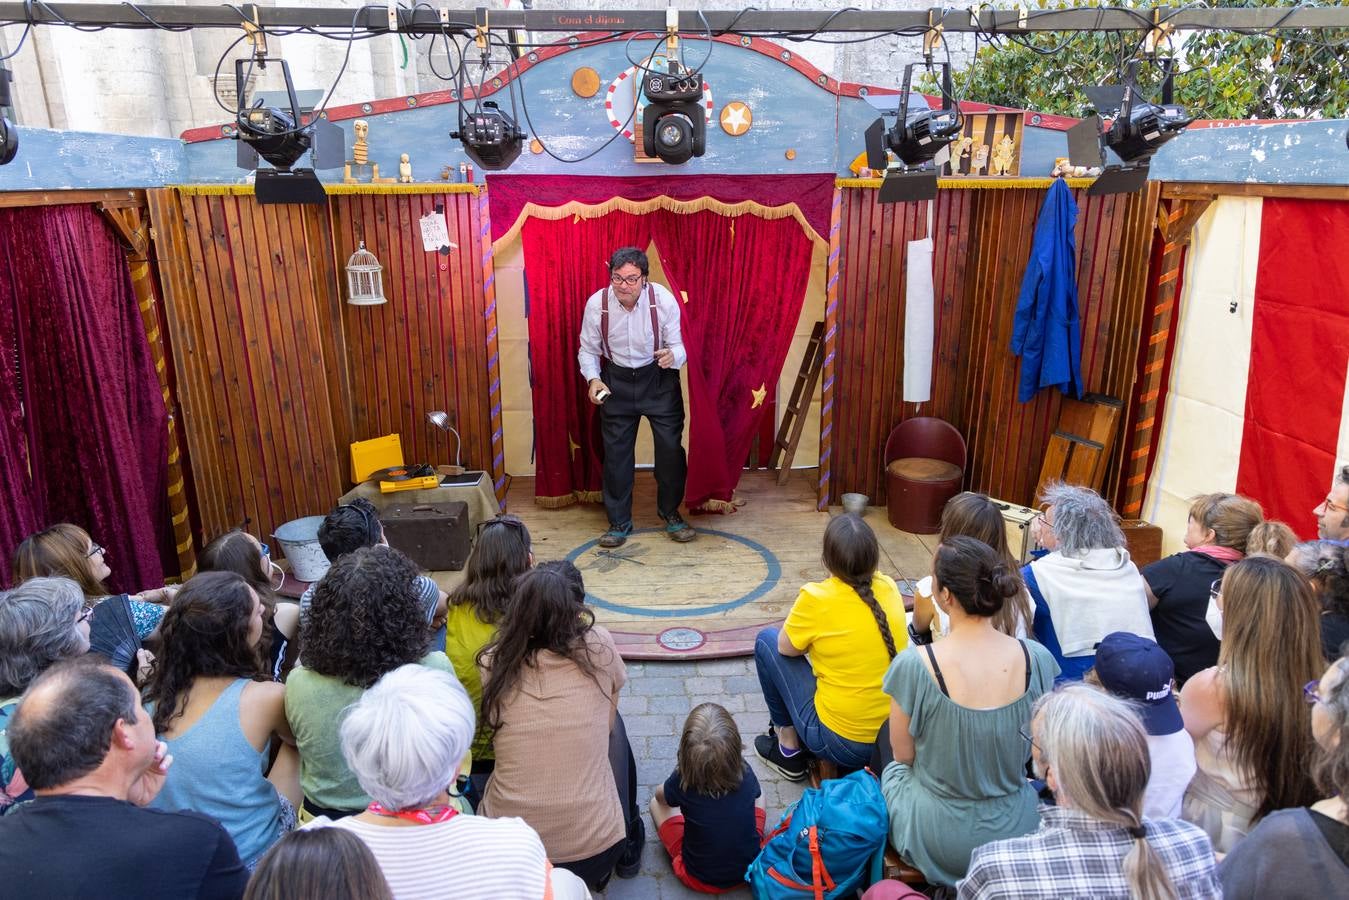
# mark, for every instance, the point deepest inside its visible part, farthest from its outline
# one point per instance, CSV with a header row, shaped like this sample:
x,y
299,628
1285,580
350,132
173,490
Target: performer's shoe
x,y
679,530
616,536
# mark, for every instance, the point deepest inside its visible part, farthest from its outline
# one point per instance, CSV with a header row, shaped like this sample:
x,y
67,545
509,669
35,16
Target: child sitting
x,y
709,813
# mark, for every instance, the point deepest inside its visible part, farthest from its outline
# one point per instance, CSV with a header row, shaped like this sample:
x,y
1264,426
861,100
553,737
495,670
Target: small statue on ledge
x,y
360,158
404,169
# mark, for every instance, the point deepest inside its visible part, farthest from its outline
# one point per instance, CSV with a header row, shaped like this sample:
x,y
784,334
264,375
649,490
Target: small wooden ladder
x,y
794,418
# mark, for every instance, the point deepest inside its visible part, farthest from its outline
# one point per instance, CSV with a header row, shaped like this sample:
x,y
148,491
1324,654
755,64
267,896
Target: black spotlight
x,y
916,138
1139,128
281,137
9,135
490,137
673,122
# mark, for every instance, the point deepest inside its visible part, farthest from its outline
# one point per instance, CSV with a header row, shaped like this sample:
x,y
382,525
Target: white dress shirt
x,y
630,339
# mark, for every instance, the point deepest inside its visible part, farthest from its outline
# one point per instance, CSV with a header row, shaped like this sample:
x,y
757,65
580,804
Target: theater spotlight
x,y
1138,129
916,138
9,135
281,137
490,137
673,121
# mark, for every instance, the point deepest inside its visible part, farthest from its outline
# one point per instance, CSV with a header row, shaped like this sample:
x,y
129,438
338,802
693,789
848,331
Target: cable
x,y
19,46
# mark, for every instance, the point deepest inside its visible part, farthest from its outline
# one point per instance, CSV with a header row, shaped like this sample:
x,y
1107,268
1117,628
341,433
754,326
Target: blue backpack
x,y
823,846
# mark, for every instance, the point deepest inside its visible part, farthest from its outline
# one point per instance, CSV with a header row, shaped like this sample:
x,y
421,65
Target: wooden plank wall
x,y
983,240
277,374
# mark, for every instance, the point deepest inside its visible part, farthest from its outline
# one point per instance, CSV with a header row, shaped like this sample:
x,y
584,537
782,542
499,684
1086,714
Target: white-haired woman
x,y
1087,586
405,740
42,622
1092,751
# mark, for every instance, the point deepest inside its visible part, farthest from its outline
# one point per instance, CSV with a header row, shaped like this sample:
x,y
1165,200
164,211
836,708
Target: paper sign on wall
x,y
435,235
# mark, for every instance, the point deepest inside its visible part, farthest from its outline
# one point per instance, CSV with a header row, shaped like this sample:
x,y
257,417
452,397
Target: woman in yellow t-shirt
x,y
821,673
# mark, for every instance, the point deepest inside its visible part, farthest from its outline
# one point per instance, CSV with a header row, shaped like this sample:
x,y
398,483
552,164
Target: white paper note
x,y
435,236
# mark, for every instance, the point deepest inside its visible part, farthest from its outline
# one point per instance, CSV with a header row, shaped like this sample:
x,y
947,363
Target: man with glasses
x,y
631,353
1332,513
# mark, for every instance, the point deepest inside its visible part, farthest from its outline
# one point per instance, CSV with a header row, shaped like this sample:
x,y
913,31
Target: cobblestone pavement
x,y
654,703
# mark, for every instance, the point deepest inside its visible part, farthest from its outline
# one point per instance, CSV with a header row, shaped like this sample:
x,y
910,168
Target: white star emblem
x,y
736,118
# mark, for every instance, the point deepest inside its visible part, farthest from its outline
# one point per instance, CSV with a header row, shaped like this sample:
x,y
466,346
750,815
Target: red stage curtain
x,y
1299,345
93,410
565,263
745,278
17,516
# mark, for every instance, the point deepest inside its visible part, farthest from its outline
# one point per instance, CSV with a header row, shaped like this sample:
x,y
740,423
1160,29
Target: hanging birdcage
x,y
365,283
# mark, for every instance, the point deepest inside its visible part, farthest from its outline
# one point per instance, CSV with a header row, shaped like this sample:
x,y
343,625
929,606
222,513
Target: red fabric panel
x,y
745,278
813,194
94,413
18,517
1299,352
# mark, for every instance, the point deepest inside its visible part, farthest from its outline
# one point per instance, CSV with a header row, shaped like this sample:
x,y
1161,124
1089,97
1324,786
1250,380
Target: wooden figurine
x,y
979,159
1004,155
404,169
360,158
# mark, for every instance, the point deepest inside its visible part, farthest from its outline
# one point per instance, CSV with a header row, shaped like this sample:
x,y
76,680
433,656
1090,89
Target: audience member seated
x,y
1304,852
1217,534
89,751
1272,538
406,739
42,622
1332,513
318,864
710,813
829,704
957,778
551,680
354,525
67,551
218,719
976,516
1245,714
1096,842
1087,586
244,555
1326,564
477,607
366,621
1137,670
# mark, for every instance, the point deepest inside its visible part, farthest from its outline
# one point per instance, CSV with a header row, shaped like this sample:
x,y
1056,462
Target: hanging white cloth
x,y
919,316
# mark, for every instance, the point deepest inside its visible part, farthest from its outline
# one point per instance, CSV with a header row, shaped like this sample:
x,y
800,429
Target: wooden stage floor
x,y
707,598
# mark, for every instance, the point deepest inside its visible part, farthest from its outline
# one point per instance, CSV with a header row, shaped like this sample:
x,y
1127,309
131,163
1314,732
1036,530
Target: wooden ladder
x,y
794,419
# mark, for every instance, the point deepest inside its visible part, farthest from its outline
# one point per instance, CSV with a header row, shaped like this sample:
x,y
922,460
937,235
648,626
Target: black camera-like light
x,y
9,135
281,137
1139,128
490,137
916,138
673,122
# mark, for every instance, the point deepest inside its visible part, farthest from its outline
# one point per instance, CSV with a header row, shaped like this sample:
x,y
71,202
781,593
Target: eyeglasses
x,y
1029,740
1215,590
1331,504
1311,692
509,521
84,615
630,280
95,550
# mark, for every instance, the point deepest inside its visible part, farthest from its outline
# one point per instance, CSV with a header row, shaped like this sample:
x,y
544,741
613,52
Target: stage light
x,y
1138,129
9,135
281,137
673,122
490,137
916,138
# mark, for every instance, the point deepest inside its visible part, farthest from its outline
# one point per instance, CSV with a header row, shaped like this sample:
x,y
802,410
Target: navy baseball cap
x,y
1136,669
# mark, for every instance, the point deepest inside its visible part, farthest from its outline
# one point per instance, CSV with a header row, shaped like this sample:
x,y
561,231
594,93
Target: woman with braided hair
x,y
821,673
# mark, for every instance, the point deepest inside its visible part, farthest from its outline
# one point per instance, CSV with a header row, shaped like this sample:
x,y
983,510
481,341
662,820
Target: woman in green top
x,y
478,606
364,622
958,779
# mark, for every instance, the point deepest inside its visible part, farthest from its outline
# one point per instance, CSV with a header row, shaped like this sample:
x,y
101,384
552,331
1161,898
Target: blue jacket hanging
x,y
1046,333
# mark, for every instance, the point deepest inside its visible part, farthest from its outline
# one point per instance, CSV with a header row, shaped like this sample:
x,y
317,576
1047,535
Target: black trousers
x,y
652,392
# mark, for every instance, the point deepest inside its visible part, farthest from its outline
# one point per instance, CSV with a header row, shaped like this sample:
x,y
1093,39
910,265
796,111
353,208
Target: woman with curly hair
x,y
219,716
365,621
550,690
239,552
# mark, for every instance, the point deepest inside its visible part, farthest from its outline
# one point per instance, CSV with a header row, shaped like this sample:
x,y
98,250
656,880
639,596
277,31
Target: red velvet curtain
x,y
17,516
746,279
93,414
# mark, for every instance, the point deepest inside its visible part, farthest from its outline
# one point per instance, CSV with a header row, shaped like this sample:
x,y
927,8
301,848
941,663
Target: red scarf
x,y
1221,554
433,816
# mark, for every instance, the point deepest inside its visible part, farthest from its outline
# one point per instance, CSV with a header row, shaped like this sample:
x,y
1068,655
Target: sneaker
x,y
676,529
616,536
630,861
792,768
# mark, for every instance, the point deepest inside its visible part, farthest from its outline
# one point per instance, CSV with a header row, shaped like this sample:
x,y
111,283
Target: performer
x,y
631,353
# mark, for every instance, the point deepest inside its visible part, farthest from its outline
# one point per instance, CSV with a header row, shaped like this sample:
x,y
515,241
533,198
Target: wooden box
x,y
1143,539
1017,518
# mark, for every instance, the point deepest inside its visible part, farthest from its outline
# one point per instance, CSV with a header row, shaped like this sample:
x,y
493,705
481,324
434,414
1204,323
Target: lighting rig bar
x,y
424,20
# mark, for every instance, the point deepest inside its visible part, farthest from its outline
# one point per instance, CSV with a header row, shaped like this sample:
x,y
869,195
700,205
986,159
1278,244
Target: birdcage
x,y
365,283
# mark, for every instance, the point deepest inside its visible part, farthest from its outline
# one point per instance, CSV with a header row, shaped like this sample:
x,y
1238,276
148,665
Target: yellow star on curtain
x,y
573,446
759,394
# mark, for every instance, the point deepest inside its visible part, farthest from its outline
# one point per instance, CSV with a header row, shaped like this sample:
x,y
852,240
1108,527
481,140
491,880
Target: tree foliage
x,y
1221,75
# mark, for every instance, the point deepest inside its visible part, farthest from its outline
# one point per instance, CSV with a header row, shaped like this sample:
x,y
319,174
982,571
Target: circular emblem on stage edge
x,y
681,640
770,580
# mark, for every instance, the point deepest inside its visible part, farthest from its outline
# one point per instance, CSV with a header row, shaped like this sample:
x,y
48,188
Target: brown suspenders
x,y
604,322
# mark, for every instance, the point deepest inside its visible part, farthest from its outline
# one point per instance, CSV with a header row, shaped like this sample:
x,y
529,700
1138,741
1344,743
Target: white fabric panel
x,y
1200,445
918,321
1342,446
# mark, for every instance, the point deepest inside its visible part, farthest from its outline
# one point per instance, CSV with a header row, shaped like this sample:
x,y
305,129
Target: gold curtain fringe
x,y
641,207
246,190
974,183
565,500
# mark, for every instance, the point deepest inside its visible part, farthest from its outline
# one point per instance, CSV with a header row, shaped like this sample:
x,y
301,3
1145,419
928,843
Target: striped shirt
x,y
466,858
1074,855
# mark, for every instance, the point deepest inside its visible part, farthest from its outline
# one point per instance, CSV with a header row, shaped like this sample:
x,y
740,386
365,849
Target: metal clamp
x,y
932,38
256,36
1161,31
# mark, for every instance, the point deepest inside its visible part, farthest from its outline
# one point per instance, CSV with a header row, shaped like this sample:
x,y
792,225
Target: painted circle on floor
x,y
716,565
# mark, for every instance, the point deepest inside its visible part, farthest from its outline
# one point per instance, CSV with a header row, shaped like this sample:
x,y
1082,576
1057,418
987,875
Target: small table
x,y
481,499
